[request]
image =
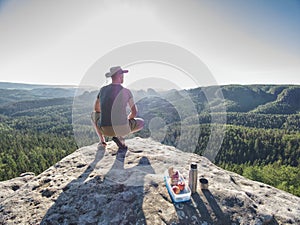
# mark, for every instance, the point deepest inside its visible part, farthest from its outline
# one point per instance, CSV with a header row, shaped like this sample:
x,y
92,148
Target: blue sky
x,y
275,21
241,42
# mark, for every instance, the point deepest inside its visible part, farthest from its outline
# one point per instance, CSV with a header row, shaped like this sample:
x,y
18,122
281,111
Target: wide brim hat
x,y
115,70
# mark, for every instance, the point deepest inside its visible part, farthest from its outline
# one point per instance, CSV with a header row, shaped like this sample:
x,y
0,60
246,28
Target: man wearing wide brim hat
x,y
115,70
110,116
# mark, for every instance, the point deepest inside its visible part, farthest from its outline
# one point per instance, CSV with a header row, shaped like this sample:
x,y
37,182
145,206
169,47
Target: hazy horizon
x,y
92,88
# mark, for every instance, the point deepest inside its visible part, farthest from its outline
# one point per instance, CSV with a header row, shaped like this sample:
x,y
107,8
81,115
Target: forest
x,y
41,125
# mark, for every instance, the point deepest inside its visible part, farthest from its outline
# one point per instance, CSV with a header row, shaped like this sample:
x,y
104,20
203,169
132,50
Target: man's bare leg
x,y
95,117
120,141
100,136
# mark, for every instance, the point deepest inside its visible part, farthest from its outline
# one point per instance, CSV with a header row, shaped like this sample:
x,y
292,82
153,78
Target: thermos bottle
x,y
193,175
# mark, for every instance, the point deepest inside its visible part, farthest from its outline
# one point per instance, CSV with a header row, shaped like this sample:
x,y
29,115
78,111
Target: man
x,y
110,116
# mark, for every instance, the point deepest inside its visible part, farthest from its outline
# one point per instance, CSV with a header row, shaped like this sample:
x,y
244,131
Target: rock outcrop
x,y
115,186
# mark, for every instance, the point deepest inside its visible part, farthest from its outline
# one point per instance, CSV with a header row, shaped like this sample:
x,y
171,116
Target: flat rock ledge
x,y
113,186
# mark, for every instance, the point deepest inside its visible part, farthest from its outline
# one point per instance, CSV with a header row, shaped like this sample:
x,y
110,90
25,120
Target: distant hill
x,y
29,106
287,102
258,99
14,92
9,85
266,99
263,99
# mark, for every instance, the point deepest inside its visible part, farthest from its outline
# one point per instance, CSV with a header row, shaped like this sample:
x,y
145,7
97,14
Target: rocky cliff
x,y
115,186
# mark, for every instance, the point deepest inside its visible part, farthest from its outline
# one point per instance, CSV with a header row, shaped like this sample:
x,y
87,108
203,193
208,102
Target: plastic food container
x,y
184,195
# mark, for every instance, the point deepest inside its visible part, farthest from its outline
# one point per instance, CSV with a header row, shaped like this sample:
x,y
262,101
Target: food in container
x,y
176,186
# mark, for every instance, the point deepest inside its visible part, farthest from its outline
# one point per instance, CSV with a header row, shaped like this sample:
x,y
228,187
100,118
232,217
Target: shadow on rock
x,y
115,198
196,212
125,200
65,209
221,218
193,212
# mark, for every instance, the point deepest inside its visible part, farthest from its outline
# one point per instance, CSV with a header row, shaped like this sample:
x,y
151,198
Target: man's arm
x,y
97,105
133,109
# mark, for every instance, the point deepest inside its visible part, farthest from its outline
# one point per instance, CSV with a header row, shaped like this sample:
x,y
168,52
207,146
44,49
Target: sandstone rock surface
x,y
112,186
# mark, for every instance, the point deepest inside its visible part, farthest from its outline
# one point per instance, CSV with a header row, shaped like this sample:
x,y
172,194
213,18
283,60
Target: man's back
x,y
114,99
